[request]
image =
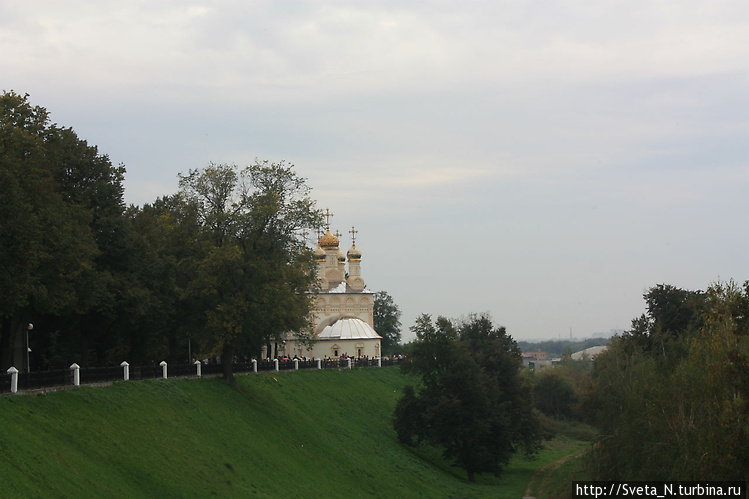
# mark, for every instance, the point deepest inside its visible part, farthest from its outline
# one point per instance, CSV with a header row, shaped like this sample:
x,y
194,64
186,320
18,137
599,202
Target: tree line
x,y
671,395
667,400
217,268
558,347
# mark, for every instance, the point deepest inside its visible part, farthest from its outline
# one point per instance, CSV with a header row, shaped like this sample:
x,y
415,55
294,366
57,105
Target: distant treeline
x,y
669,397
559,346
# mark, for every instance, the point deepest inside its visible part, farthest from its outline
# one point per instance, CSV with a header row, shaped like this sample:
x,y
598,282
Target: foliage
x,y
387,321
251,284
672,315
61,229
470,401
672,394
214,266
554,395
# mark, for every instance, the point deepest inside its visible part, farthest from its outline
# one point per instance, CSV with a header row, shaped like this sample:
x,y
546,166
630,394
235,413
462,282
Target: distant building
x,y
343,317
589,353
538,360
536,355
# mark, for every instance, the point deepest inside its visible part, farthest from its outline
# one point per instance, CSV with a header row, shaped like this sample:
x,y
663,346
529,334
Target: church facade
x,y
343,315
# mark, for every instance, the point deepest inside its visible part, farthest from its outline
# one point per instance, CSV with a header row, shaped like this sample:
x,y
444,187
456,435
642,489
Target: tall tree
x,y
48,218
470,400
252,284
672,314
664,416
387,320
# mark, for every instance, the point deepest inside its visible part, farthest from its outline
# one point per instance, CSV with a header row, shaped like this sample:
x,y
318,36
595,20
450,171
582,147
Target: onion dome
x,y
354,253
328,241
319,254
341,257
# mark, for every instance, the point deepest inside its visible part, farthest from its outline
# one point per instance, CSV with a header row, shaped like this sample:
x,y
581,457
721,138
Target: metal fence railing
x,y
90,375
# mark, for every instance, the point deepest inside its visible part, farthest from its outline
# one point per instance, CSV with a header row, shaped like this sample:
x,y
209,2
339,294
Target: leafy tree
x,y
251,284
554,395
165,239
470,400
672,314
387,320
55,194
669,416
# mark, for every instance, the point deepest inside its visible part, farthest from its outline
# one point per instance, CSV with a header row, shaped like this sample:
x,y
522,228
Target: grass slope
x,y
305,434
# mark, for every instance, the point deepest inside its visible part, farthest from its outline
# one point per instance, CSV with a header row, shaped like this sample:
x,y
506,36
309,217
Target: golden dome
x,y
319,254
354,253
328,241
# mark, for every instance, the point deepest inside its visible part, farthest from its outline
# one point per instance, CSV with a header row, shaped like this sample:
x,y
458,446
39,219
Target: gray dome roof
x,y
348,328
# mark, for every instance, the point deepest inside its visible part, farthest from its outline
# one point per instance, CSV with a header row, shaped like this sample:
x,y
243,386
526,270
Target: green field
x,y
290,434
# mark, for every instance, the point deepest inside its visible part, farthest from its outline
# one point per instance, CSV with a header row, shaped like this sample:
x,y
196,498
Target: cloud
x,y
505,156
270,51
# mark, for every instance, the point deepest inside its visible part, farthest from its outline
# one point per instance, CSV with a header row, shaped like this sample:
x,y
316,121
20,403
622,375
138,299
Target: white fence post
x,y
296,364
126,370
319,363
379,361
198,366
163,368
76,374
254,365
13,379
349,362
275,363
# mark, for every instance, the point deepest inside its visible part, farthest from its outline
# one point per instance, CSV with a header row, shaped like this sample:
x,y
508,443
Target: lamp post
x,y
189,349
28,329
28,350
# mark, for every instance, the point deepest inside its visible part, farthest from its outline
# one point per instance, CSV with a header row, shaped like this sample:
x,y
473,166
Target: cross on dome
x,y
353,233
327,216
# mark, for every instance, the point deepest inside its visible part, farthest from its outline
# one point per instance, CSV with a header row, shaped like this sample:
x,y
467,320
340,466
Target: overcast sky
x,y
546,162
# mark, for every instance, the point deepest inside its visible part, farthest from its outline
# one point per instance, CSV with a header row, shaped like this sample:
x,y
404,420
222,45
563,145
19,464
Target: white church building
x,y
343,315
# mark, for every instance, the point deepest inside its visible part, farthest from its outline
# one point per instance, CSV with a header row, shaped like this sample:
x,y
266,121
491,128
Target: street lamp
x,y
189,350
28,366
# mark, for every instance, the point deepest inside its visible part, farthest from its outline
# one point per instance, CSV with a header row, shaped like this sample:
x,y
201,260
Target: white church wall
x,y
327,348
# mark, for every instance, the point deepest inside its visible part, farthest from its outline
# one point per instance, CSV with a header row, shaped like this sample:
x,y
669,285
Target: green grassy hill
x,y
305,434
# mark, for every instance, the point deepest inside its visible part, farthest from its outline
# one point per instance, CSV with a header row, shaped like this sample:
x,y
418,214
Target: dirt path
x,y
544,475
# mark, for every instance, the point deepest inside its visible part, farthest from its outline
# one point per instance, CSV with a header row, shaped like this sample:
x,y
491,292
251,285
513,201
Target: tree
x,y
672,314
470,400
677,417
166,242
387,320
554,395
252,282
60,200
